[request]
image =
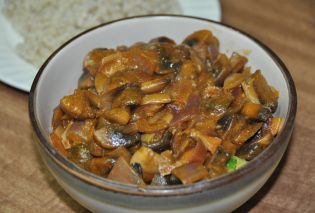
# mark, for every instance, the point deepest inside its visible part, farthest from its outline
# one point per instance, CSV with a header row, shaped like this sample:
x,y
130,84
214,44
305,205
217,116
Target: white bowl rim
x,y
103,183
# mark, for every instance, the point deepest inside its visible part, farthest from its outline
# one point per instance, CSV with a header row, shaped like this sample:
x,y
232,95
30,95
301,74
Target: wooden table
x,y
286,26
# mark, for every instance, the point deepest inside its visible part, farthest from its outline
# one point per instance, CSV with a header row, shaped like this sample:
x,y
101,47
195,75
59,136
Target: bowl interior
x,y
59,75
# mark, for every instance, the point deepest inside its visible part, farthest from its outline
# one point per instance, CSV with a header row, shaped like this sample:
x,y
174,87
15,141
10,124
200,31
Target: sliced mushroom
x,y
247,132
79,154
133,59
156,98
94,99
189,71
80,132
161,180
119,81
158,122
204,44
237,62
106,101
210,142
235,79
265,114
250,151
122,79
233,128
238,102
217,105
180,143
130,129
131,96
145,111
145,60
225,122
102,122
101,82
155,85
221,69
151,163
113,63
133,149
167,71
158,142
93,59
100,166
109,138
148,161
86,81
119,152
96,150
217,162
119,115
249,90
137,168
172,57
77,105
253,148
256,111
251,110
169,155
163,39
268,96
275,125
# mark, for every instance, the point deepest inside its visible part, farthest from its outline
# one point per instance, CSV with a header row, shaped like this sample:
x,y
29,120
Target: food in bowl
x,y
58,77
162,113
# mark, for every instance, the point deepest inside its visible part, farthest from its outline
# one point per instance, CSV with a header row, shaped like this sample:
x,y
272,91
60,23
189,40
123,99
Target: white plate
x,y
18,73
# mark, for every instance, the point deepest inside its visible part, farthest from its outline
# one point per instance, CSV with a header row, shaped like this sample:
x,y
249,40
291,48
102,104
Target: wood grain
x,y
286,26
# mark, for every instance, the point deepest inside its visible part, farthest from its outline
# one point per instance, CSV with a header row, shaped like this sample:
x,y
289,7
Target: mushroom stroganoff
x,y
162,113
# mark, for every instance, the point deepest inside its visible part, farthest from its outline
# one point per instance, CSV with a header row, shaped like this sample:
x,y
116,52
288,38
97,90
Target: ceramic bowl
x,y
58,77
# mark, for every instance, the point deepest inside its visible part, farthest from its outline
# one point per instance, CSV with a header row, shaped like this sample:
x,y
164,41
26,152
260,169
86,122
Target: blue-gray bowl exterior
x,y
204,192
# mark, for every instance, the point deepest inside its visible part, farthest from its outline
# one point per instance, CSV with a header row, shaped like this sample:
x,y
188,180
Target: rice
x,y
46,24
